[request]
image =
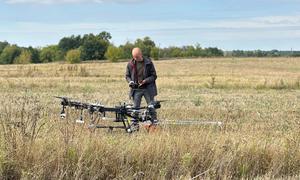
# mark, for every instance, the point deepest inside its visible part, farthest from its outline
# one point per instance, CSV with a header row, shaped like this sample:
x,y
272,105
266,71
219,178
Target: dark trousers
x,y
137,99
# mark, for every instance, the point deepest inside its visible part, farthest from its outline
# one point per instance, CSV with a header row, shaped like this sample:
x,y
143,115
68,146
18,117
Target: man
x,y
141,76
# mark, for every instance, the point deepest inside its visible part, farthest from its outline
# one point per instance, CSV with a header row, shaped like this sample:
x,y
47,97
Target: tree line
x,y
74,49
260,53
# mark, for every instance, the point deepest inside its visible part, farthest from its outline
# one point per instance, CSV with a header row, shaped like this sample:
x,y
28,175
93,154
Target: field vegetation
x,y
257,99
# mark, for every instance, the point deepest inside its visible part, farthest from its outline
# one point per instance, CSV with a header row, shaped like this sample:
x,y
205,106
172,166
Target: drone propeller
x,y
193,122
160,101
61,97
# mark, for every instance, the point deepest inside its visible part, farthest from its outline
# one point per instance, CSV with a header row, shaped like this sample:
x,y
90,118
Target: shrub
x,y
9,54
114,53
155,53
24,58
73,56
50,54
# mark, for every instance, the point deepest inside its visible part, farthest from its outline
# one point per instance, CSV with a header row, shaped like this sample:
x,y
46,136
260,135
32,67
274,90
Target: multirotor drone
x,y
125,114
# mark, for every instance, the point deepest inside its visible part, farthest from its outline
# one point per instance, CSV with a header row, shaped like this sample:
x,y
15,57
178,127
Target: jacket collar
x,y
146,60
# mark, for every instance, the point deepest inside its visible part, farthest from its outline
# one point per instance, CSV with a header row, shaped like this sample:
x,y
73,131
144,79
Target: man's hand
x,y
142,83
131,83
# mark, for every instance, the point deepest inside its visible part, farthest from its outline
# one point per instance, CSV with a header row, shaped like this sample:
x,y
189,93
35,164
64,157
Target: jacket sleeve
x,y
128,73
152,77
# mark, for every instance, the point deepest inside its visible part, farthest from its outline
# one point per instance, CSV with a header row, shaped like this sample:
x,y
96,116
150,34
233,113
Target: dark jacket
x,y
149,74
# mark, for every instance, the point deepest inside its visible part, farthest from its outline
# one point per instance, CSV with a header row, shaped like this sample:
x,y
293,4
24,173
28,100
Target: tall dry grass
x,y
256,99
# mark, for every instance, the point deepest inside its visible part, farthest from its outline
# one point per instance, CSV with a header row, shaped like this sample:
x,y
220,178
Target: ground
x,y
257,99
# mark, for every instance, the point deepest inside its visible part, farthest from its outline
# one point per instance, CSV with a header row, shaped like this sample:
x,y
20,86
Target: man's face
x,y
137,55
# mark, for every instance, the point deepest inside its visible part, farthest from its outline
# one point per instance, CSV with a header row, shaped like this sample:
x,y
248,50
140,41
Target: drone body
x,y
125,113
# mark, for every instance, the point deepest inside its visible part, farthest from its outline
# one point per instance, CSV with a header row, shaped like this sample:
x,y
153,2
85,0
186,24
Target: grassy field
x,y
258,101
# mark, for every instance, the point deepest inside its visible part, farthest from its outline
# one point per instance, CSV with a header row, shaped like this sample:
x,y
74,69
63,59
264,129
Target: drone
x,y
125,114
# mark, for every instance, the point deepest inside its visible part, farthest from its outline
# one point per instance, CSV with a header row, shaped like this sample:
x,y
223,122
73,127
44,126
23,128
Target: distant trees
x,y
68,43
295,54
9,54
149,49
190,51
106,36
114,53
74,49
97,47
127,48
259,53
73,56
51,53
146,45
24,58
2,46
155,53
35,55
171,52
91,47
213,52
94,47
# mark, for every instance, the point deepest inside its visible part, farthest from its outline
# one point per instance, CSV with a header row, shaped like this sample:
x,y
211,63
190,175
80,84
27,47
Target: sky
x,y
226,24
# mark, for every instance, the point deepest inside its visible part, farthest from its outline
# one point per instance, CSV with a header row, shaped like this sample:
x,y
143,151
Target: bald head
x,y
137,54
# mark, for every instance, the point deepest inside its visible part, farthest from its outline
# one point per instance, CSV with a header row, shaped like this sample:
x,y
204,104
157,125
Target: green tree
x,y
188,51
214,52
93,47
259,53
51,53
274,53
114,53
73,56
68,43
106,36
127,48
9,54
175,52
24,58
198,50
155,53
145,45
35,55
3,45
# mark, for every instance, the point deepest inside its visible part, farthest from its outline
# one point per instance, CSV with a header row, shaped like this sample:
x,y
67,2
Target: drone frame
x,y
124,113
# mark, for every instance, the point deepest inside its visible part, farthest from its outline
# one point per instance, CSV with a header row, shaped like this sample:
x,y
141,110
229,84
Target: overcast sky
x,y
227,24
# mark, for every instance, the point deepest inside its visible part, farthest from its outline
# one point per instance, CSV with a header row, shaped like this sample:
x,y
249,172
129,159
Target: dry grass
x,y
257,99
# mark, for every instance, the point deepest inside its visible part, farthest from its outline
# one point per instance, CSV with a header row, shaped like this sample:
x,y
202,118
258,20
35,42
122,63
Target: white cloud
x,y
267,22
66,1
259,29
